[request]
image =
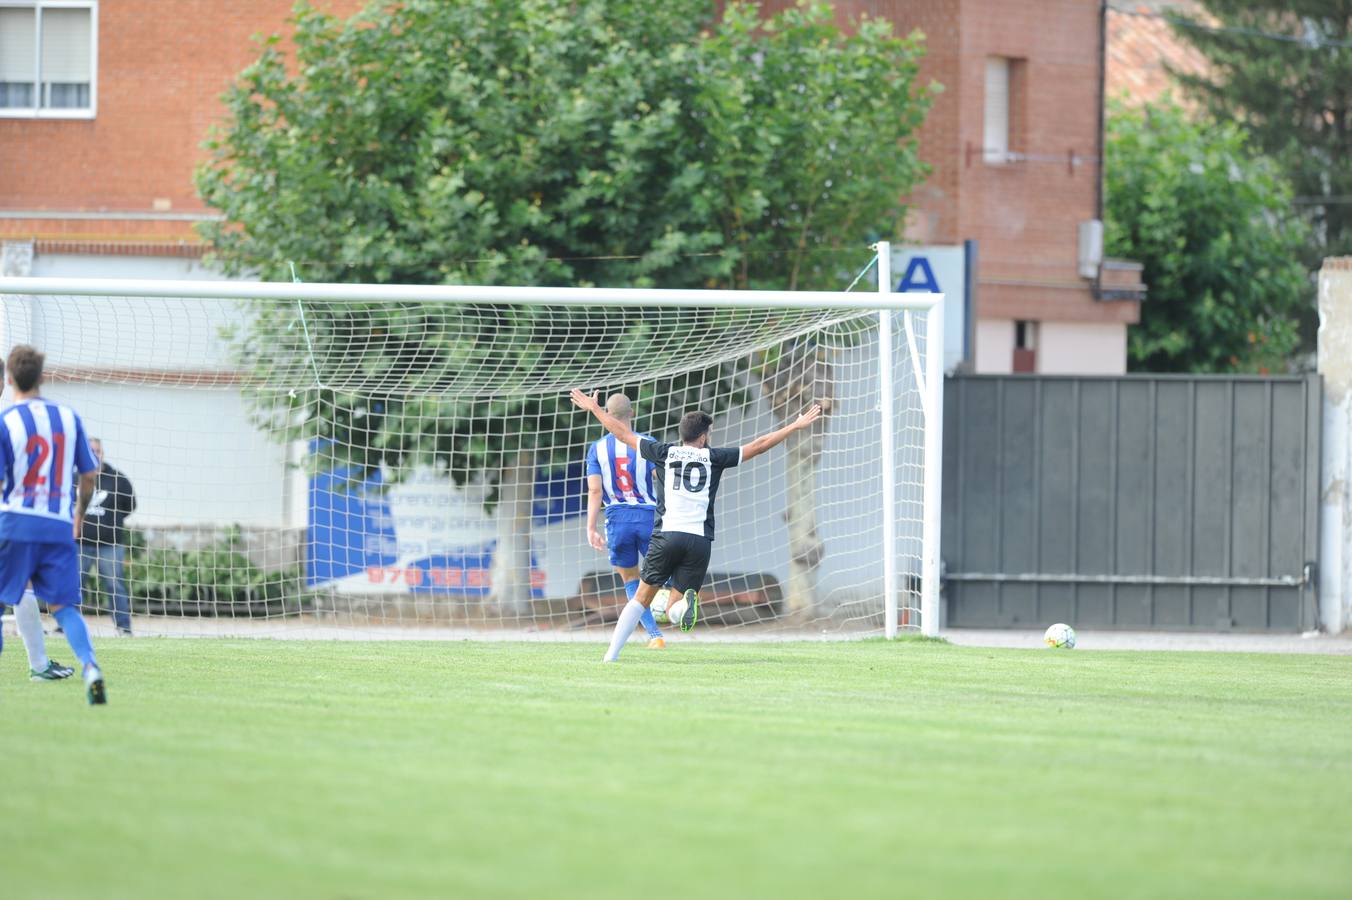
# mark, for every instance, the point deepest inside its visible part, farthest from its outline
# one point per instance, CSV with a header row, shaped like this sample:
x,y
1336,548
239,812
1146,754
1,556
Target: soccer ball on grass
x,y
1061,636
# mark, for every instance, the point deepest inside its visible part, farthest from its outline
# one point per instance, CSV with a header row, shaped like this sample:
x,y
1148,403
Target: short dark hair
x,y
694,424
25,367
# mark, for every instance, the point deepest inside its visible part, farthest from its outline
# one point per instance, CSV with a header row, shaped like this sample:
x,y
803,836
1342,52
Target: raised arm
x,y
766,441
623,433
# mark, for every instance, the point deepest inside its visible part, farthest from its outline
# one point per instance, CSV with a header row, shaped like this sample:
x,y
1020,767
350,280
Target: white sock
x,y
629,617
30,629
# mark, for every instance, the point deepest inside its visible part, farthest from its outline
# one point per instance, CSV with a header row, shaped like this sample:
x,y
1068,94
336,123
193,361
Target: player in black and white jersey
x,y
683,529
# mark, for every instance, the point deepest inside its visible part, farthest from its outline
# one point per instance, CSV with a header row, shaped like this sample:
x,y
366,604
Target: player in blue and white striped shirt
x,y
49,475
622,481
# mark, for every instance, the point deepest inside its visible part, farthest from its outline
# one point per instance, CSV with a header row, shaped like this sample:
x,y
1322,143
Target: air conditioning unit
x,y
1091,248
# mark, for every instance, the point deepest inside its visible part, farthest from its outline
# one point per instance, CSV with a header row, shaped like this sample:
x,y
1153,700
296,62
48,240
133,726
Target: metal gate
x,y
1134,502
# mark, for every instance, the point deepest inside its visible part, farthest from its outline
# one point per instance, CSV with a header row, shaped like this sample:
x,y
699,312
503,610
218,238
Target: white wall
x,y
191,453
1063,348
994,346
1081,348
146,383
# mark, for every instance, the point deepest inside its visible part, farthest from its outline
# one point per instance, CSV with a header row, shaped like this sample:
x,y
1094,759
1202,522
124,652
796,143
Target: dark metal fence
x,y
1150,502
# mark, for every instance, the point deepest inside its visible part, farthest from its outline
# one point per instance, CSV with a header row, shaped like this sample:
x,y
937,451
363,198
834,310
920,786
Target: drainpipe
x,y
1103,89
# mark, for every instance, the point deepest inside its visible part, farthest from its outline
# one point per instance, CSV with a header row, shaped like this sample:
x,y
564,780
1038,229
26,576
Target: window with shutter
x,y
65,58
18,57
48,58
995,139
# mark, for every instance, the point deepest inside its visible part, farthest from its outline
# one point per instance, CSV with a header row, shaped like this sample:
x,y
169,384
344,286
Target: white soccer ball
x,y
1060,635
659,606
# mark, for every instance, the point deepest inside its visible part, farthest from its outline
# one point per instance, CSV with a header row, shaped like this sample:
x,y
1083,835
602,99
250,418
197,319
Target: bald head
x,y
618,405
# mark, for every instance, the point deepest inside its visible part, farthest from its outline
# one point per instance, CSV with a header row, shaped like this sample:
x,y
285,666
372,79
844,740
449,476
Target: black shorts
x,y
684,558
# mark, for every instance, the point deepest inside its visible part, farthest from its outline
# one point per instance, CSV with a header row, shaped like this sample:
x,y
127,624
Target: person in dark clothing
x,y
103,535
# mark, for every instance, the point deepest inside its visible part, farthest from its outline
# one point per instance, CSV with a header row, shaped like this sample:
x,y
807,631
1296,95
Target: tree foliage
x,y
614,142
1283,69
1212,222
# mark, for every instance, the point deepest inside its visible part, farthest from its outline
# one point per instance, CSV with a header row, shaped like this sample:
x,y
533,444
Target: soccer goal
x,y
360,460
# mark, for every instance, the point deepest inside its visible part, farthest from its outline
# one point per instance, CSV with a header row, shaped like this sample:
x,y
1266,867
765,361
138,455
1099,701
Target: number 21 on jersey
x,y
38,450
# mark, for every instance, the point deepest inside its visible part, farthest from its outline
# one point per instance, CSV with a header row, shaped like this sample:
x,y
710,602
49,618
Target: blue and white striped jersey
x,y
43,448
626,477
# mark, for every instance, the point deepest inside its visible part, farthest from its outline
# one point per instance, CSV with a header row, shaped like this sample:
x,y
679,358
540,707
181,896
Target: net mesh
x,y
380,468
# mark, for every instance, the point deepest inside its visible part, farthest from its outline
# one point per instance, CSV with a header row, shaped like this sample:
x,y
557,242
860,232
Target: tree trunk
x,y
511,558
800,377
801,453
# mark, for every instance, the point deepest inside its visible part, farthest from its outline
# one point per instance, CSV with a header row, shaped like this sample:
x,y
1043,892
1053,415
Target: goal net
x,y
351,460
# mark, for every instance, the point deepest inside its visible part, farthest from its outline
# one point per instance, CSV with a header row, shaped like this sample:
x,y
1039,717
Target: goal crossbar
x,y
524,295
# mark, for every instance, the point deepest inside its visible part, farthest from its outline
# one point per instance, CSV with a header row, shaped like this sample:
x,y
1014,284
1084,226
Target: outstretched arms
x,y
623,433
766,441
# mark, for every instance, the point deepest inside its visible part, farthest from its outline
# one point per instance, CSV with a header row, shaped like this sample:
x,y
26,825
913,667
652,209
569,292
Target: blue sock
x,y
73,624
649,623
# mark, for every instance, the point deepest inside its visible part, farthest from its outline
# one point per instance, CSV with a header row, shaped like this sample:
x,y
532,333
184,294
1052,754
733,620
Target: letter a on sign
x,y
919,277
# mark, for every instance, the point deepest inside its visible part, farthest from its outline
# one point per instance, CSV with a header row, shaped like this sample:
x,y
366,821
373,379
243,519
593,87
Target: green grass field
x,y
916,769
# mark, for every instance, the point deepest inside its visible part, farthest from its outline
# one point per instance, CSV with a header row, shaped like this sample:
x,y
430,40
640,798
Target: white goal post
x,y
399,460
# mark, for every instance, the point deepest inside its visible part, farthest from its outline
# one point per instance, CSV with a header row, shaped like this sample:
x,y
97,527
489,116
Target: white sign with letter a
x,y
937,270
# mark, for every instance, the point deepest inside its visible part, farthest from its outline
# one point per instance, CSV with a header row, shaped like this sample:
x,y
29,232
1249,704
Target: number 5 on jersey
x,y
624,482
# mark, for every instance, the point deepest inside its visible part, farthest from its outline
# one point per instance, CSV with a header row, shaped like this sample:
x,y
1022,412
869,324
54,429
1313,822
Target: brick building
x,y
1014,145
104,186
104,105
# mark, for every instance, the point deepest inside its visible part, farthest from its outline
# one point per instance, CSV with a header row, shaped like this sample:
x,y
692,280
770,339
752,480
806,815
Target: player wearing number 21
x,y
683,529
49,473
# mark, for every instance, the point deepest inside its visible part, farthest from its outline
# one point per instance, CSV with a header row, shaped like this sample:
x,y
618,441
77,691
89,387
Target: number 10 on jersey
x,y
691,476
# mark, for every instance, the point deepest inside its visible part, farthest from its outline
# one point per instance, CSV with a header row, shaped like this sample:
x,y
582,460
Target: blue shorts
x,y
54,569
628,531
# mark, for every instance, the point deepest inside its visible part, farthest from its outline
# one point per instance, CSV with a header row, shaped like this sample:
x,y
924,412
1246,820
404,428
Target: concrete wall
x,y
1335,365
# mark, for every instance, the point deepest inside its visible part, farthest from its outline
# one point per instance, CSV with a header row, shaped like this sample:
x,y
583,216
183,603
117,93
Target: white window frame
x,y
37,111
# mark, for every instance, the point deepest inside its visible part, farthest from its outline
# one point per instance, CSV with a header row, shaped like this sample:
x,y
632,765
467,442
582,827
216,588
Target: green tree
x,y
1212,222
614,142
1292,95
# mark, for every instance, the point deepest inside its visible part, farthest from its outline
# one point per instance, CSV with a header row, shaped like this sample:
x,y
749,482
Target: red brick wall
x,y
159,80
